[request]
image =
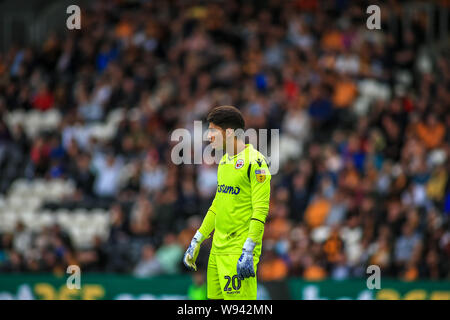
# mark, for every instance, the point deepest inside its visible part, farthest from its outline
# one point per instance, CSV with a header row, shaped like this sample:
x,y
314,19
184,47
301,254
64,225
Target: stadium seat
x,y
3,203
56,189
63,218
27,217
20,187
10,219
50,119
15,202
46,219
14,118
39,188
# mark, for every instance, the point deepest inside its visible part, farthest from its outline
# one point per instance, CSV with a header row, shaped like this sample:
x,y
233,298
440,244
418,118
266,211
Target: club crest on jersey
x,y
260,175
239,164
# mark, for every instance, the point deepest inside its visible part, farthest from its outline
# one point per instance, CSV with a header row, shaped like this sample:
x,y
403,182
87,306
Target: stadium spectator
x,y
148,265
107,170
169,254
271,266
363,119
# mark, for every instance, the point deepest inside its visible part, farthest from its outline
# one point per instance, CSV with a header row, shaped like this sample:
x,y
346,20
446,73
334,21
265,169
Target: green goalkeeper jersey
x,y
242,195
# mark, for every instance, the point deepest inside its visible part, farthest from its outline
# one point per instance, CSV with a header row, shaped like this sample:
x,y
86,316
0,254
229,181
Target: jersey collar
x,y
247,147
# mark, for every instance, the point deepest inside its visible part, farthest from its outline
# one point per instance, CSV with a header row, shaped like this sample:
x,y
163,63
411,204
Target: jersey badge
x,y
260,175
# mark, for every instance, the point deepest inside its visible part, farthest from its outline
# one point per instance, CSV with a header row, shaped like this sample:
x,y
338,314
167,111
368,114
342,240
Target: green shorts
x,y
223,282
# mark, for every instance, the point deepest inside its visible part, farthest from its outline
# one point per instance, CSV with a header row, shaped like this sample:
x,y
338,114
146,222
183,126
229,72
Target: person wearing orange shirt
x,y
272,267
432,132
317,212
313,271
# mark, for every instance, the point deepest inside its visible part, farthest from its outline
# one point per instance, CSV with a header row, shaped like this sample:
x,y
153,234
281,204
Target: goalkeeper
x,y
237,213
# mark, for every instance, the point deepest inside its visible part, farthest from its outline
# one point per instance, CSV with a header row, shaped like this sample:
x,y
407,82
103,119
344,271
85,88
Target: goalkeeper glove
x,y
192,252
245,263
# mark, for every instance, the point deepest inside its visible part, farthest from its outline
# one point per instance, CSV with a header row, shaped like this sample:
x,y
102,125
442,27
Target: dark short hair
x,y
226,117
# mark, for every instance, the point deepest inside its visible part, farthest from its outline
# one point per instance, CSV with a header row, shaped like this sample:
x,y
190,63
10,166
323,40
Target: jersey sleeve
x,y
260,189
209,222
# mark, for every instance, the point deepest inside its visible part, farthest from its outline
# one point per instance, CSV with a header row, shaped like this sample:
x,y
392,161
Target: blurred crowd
x,y
364,178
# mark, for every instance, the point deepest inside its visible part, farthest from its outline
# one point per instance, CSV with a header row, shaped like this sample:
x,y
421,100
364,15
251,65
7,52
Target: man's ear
x,y
229,133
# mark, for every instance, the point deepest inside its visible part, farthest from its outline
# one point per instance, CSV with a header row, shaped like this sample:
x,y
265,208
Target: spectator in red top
x,y
44,99
40,156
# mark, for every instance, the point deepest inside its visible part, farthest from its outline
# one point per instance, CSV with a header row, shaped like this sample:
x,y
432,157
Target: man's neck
x,y
239,145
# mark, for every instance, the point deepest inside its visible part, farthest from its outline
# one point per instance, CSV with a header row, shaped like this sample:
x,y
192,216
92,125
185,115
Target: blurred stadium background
x,y
86,115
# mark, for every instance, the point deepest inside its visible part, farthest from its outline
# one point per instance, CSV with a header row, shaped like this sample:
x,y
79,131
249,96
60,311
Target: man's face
x,y
216,135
